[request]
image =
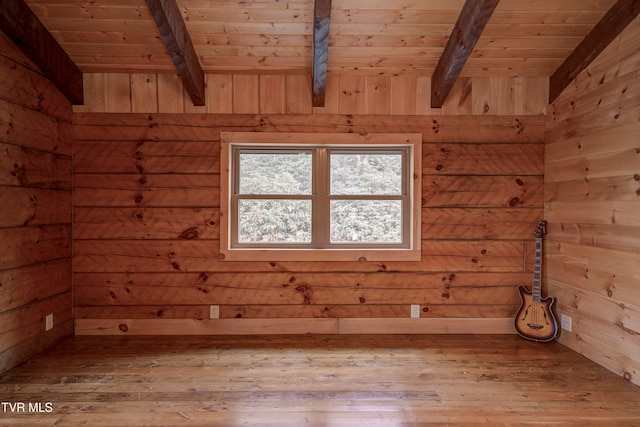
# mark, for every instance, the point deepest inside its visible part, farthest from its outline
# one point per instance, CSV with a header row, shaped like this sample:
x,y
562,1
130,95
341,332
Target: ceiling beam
x,y
26,31
474,16
321,24
176,38
610,26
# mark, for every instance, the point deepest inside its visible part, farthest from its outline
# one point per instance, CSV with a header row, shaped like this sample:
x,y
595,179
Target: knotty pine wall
x,y
35,209
146,215
291,94
147,206
592,202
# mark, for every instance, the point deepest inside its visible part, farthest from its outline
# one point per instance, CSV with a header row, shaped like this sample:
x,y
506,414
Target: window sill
x,y
332,255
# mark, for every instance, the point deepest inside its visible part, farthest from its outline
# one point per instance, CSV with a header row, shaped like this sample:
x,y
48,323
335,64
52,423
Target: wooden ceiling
x,y
522,38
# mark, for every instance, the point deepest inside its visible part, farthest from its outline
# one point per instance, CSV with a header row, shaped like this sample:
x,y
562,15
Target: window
x,y
320,196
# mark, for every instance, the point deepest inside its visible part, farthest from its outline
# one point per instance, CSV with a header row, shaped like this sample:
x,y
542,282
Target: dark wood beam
x,y
321,24
26,31
612,23
474,16
176,38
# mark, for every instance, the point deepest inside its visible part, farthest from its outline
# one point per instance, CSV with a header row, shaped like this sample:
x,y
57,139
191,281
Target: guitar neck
x,y
536,292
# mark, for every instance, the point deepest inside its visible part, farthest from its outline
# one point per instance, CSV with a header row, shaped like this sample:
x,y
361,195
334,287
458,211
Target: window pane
x,y
275,173
366,221
274,221
362,173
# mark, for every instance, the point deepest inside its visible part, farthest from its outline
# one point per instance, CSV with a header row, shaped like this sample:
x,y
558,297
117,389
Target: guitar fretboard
x,y
536,293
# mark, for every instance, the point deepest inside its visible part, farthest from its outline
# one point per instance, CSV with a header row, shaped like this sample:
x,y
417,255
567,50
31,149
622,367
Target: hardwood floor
x,y
314,380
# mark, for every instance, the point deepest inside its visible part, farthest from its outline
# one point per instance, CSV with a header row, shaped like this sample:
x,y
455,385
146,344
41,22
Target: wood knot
x,y
20,174
362,300
189,234
123,327
306,292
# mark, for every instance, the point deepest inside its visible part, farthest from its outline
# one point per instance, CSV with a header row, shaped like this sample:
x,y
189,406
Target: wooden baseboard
x,y
293,326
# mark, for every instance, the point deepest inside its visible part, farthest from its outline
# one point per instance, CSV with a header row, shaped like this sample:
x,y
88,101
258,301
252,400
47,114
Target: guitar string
x,y
537,283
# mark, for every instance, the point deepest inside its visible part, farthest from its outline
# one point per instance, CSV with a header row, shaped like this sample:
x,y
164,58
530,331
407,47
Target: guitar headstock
x,y
542,229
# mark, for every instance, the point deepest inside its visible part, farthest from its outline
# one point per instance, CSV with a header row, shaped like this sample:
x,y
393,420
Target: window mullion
x,y
320,219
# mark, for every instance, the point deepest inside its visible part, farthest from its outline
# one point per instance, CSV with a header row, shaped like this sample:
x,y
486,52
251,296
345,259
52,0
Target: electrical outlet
x,y
214,312
415,311
565,322
48,322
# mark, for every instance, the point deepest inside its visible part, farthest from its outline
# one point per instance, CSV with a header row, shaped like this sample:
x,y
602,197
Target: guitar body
x,y
535,320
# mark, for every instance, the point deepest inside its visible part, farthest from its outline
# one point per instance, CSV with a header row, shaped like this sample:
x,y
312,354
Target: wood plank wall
x,y
146,245
35,209
291,94
592,202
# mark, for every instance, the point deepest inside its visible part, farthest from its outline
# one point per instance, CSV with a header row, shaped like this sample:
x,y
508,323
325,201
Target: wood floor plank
x,y
315,380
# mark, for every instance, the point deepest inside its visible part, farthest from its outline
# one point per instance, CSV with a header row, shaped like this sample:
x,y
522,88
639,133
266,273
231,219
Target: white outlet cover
x,y
214,312
48,322
415,311
565,322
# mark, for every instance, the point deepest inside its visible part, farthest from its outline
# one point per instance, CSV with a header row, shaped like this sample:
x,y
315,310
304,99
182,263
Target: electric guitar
x,y
535,320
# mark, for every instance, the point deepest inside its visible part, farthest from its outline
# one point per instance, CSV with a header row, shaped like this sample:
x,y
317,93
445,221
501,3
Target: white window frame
x,y
412,142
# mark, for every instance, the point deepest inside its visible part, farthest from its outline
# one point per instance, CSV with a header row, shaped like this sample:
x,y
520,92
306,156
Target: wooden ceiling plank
x,y
610,26
474,16
321,25
26,31
173,31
